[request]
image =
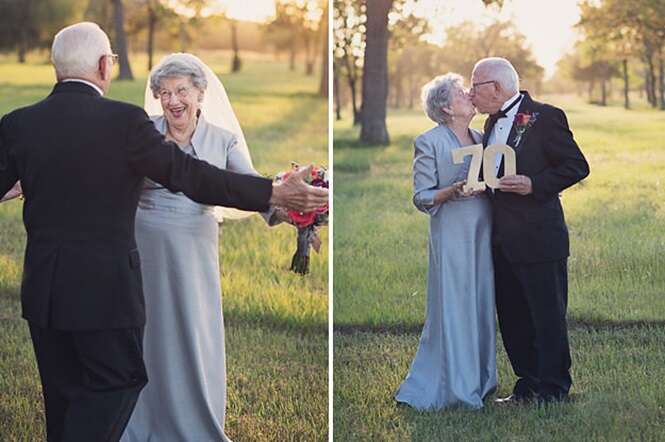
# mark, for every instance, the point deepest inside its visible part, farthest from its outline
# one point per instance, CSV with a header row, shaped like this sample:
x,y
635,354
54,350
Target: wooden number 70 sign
x,y
487,159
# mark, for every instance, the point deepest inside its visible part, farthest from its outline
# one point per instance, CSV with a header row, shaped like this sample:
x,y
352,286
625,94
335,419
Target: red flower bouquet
x,y
308,222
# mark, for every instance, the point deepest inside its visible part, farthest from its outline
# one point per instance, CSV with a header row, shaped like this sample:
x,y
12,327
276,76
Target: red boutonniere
x,y
523,121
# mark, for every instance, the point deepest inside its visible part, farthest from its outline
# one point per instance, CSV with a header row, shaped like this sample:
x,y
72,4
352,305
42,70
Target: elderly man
x,y
81,160
530,238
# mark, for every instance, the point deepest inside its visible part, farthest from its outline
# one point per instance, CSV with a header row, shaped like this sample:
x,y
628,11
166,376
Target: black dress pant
x,y
531,301
91,381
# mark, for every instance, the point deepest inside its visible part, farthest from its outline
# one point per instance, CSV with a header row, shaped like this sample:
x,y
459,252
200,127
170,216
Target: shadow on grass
x,y
574,323
349,143
276,323
10,310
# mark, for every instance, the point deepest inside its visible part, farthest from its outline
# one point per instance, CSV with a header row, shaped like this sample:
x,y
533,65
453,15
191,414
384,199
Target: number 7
x,y
486,158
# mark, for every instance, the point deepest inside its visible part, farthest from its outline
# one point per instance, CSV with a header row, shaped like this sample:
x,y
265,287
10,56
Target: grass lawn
x,y
616,219
276,321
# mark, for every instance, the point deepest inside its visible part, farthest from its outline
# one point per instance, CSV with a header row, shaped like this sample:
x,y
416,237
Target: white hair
x,y
77,49
502,71
437,94
178,65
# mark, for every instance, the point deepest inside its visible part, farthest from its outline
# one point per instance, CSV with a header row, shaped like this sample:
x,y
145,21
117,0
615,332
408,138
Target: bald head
x,y
500,70
494,80
78,49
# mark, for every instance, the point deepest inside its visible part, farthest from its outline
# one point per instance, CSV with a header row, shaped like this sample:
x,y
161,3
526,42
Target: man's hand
x,y
294,194
520,184
15,192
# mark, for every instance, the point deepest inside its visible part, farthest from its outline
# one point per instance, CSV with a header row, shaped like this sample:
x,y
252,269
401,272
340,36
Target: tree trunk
x,y
590,91
337,94
152,22
308,43
626,89
352,79
236,64
375,74
603,92
323,86
412,90
21,50
661,81
354,102
651,81
121,41
398,87
292,52
23,27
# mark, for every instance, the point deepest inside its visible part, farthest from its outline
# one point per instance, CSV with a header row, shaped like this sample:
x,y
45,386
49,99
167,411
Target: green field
x,y
616,218
276,321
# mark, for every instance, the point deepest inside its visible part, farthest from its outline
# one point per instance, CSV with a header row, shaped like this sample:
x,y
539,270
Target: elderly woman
x,y
177,238
455,363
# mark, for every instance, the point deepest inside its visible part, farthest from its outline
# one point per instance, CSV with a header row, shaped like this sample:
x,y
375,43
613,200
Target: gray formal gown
x,y
185,398
455,364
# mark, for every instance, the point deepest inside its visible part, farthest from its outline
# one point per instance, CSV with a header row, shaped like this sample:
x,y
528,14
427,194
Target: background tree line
x,y
622,42
382,58
298,29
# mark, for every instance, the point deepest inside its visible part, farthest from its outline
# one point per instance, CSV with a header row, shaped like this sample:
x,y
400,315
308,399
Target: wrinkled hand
x,y
281,214
15,192
449,192
472,192
294,194
520,184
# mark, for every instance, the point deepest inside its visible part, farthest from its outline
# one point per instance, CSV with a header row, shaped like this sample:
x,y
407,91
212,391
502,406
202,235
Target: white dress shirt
x,y
92,85
501,130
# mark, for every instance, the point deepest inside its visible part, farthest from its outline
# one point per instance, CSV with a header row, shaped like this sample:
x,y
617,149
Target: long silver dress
x,y
455,364
183,345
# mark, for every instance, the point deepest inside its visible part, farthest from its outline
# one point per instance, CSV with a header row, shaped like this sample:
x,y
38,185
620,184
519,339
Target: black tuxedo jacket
x,y
81,159
531,228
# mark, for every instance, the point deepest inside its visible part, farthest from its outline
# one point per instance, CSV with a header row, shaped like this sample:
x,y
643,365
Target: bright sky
x,y
548,25
259,11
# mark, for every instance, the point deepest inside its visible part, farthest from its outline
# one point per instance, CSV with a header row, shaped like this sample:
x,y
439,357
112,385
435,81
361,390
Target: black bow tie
x,y
493,118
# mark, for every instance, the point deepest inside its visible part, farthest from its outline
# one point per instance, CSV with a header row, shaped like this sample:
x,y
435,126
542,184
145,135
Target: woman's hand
x,y
450,192
15,192
282,215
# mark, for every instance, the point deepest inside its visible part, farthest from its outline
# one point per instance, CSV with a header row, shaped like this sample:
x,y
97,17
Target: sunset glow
x,y
548,26
254,10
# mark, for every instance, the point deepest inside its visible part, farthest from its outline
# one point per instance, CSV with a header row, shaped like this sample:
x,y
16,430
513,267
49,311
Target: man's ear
x,y
498,90
104,68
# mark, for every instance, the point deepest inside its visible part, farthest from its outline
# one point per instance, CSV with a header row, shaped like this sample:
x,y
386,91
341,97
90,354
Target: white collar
x,y
510,100
92,85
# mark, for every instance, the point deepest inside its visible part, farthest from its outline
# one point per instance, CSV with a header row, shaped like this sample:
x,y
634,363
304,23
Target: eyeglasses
x,y
181,92
480,83
114,58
